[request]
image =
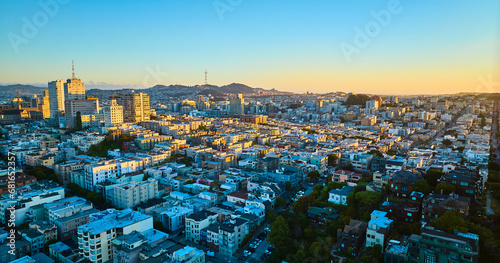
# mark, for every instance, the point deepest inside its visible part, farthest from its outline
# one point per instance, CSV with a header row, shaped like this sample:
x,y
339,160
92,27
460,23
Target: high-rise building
x,y
74,88
135,107
113,114
88,110
56,97
44,104
237,105
95,237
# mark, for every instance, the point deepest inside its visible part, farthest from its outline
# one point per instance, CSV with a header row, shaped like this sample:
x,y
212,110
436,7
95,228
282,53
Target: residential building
x,y
198,221
113,114
95,237
339,196
379,228
135,107
352,236
131,194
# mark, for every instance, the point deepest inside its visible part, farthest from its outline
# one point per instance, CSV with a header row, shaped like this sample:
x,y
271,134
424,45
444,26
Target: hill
x,y
24,90
212,92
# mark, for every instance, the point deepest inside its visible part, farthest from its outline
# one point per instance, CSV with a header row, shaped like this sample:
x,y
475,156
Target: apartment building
x,y
352,236
135,107
379,228
198,221
130,194
113,114
104,170
29,196
83,107
231,235
65,207
174,218
435,246
67,226
128,248
95,237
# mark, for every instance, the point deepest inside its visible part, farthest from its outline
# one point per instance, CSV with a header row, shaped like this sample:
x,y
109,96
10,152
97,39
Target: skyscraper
x,y
74,88
44,104
113,114
237,105
56,97
135,107
88,109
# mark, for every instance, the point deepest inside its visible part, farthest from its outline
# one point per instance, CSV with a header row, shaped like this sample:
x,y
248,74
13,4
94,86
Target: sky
x,y
378,47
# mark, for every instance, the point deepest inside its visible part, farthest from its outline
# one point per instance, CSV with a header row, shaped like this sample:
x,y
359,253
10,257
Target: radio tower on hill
x,y
206,82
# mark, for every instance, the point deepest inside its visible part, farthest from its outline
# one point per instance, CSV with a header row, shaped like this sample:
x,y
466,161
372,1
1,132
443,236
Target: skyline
x,y
422,48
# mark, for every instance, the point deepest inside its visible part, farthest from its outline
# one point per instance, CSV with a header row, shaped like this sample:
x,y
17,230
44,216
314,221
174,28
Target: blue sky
x,y
426,47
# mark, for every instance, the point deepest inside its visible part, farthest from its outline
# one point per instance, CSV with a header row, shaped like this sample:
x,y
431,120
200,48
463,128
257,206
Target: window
x,y
430,259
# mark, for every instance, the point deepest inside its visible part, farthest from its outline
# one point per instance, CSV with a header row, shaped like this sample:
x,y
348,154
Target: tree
x,y
270,214
313,175
300,256
288,186
447,142
445,188
280,236
317,250
368,197
78,121
332,159
189,181
376,152
281,202
302,204
432,176
422,186
450,221
391,152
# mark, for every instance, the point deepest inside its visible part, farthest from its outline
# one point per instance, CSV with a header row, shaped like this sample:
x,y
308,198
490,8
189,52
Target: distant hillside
x,y
235,88
212,92
24,90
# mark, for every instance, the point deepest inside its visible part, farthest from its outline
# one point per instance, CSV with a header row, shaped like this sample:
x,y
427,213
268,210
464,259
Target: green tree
x,y
422,186
445,188
270,215
391,152
447,142
376,152
146,177
314,175
368,197
302,204
300,256
332,159
432,176
317,250
288,186
450,221
78,121
280,236
281,202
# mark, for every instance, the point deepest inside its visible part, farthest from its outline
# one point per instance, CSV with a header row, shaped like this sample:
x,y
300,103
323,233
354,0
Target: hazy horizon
x,y
388,47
